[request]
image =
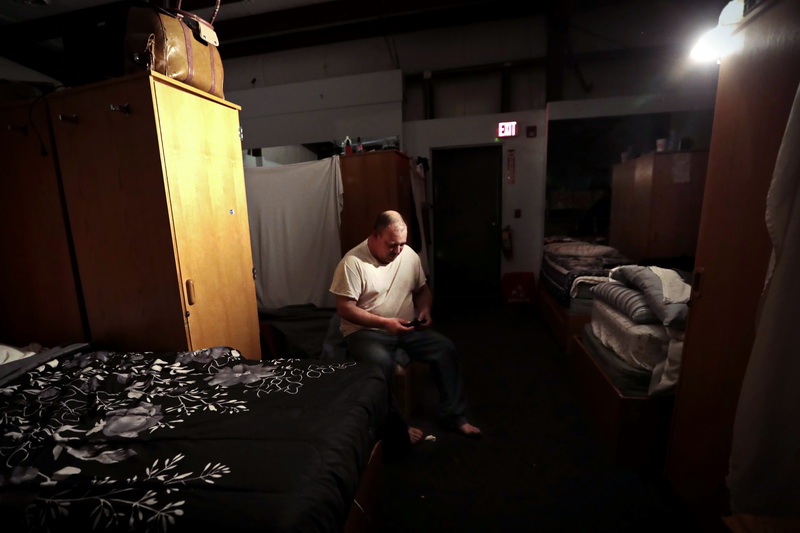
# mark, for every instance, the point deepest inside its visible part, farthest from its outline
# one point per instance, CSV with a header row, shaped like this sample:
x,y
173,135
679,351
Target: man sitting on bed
x,y
378,286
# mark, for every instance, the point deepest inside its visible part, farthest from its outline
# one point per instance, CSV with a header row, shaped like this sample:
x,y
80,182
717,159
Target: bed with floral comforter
x,y
128,441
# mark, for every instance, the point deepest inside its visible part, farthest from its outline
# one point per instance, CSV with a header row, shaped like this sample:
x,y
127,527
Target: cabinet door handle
x,y
190,297
125,109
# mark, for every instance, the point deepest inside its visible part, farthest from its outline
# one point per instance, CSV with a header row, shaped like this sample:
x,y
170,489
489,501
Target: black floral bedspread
x,y
109,441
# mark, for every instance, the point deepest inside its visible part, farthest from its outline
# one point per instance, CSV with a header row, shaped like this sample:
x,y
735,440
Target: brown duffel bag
x,y
175,43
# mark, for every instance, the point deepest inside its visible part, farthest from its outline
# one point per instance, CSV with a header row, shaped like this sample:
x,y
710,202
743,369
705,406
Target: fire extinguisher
x,y
508,248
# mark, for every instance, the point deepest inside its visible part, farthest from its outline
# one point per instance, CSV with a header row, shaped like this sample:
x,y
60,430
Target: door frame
x,y
498,207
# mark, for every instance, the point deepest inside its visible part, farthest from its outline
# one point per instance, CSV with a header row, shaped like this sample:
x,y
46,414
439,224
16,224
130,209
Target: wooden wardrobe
x,y
655,204
154,186
373,182
755,93
40,300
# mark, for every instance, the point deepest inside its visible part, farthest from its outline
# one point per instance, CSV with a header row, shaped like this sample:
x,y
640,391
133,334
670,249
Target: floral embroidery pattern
x,y
103,407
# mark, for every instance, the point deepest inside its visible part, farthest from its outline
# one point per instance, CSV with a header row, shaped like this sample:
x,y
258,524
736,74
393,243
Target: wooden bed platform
x,y
636,429
364,514
562,323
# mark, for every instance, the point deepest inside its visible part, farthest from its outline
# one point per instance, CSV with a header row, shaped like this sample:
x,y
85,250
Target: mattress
x,y
560,272
640,345
184,441
629,380
580,306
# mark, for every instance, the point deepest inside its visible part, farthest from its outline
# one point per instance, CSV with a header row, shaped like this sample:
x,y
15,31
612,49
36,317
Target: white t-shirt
x,y
384,290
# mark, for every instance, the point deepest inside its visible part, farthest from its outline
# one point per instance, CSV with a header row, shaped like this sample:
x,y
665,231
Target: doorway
x,y
466,224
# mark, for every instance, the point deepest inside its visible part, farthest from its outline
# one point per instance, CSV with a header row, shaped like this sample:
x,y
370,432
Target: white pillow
x,y
11,353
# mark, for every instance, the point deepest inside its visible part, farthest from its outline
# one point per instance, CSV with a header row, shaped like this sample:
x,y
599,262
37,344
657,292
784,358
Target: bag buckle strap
x,y
203,31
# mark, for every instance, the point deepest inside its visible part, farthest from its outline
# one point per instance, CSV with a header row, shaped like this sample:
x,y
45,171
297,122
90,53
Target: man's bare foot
x,y
468,430
415,435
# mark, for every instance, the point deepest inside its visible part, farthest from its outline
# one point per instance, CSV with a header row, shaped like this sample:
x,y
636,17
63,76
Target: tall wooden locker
x,y
623,204
655,204
374,182
154,182
755,92
38,284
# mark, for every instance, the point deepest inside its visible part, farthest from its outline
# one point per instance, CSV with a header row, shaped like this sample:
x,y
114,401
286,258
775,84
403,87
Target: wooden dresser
x,y
154,186
374,182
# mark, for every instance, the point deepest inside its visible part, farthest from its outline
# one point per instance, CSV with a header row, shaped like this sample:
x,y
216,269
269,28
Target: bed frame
x,y
563,324
364,514
635,429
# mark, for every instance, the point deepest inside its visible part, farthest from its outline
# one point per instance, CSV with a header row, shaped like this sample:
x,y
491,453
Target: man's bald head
x,y
388,236
388,219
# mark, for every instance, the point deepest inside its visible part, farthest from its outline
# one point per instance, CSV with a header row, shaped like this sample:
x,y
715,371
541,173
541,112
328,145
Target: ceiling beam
x,y
47,44
327,23
82,46
40,43
53,27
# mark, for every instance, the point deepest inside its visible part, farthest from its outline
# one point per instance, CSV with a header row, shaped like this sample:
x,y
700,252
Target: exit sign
x,y
506,129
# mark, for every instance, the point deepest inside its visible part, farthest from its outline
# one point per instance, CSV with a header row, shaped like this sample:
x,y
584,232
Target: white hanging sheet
x,y
295,214
418,192
765,463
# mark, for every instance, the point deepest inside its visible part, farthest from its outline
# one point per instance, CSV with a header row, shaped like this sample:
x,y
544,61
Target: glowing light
x,y
721,40
506,129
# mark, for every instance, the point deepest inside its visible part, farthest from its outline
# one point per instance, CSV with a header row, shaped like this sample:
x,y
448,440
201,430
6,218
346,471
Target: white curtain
x,y
764,470
295,213
418,189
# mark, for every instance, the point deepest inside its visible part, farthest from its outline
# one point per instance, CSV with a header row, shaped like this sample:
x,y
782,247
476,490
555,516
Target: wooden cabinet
x,y
733,253
655,204
634,429
38,284
154,185
374,182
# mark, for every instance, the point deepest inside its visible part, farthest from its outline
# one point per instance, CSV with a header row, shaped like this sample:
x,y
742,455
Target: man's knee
x,y
445,346
372,352
379,357
432,347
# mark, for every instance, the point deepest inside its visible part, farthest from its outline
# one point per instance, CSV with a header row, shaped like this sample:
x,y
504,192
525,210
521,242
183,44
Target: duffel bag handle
x,y
177,9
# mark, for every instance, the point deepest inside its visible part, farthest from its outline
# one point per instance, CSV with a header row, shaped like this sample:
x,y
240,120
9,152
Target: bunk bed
x,y
99,440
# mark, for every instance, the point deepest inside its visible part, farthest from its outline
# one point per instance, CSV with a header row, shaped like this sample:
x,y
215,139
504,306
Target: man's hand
x,y
396,326
425,319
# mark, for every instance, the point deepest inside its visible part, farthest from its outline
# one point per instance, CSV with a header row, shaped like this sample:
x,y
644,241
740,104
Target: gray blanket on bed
x,y
670,313
11,370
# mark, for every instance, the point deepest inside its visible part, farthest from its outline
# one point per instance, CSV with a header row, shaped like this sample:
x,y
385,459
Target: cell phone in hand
x,y
414,323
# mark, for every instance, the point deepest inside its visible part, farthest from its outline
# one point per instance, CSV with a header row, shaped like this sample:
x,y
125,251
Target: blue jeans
x,y
424,345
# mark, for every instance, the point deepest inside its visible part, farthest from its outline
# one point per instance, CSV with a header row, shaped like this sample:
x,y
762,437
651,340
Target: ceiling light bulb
x,y
732,13
721,41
